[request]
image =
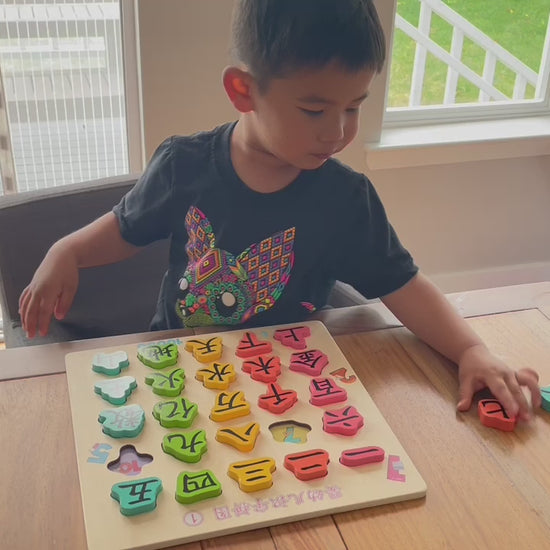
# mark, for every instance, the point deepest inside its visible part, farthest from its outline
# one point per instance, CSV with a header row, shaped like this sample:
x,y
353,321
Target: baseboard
x,y
492,277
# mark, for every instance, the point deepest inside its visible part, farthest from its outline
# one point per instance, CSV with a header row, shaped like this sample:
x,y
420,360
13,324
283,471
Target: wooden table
x,y
486,489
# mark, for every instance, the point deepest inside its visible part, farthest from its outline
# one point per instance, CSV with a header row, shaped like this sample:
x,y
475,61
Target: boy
x,y
261,220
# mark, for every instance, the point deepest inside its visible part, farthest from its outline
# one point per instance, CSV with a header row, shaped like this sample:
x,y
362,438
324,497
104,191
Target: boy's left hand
x,y
478,369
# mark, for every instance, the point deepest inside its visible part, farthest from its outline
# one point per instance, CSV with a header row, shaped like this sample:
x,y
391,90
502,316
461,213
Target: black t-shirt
x,y
242,257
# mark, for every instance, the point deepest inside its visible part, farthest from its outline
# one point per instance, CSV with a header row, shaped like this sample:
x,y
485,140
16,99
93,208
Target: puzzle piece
x,y
138,496
170,383
193,487
264,368
229,405
251,346
243,438
346,421
545,394
158,355
117,390
361,456
289,431
217,376
186,446
127,421
205,351
492,414
129,461
178,413
308,465
310,362
277,400
253,475
110,363
324,391
293,337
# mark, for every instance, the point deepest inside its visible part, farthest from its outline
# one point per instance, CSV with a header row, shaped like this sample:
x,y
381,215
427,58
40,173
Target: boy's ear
x,y
238,83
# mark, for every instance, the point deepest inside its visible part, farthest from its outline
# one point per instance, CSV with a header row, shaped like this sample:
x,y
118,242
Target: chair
x,y
113,299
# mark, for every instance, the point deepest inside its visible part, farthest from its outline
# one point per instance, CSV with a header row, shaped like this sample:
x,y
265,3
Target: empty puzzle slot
x,y
129,462
289,431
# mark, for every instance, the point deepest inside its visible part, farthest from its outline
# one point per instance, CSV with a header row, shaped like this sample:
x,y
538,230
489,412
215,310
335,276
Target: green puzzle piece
x,y
137,496
186,446
125,421
110,363
195,486
116,390
545,394
178,413
157,355
169,383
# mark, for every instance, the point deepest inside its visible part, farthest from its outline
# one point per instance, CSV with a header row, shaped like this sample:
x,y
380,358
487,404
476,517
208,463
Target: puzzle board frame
x,y
289,499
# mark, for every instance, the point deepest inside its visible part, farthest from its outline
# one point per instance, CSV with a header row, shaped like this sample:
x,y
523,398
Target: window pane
x,y
61,63
469,52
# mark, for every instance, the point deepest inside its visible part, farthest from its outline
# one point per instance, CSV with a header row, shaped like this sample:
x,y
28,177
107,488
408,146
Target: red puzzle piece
x,y
308,464
361,455
325,391
492,414
346,421
310,362
293,337
277,400
265,368
251,346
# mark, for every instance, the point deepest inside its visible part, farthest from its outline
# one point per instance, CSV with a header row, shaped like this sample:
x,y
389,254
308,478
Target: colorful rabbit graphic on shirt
x,y
219,288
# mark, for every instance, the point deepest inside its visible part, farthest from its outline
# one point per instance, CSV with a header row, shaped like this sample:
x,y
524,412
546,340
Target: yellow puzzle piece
x,y
217,376
229,405
242,438
253,475
205,351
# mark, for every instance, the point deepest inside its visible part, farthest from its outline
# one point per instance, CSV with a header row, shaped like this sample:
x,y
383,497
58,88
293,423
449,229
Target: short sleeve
x,y
145,212
372,258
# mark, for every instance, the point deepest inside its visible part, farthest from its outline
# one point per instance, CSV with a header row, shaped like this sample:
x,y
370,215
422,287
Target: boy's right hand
x,y
51,290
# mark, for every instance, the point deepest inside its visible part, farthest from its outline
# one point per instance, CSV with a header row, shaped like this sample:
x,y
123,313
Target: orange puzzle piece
x,y
308,464
492,414
251,346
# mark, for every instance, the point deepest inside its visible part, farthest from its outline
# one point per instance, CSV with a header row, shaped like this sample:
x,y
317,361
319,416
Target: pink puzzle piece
x,y
293,337
310,362
346,421
324,391
361,456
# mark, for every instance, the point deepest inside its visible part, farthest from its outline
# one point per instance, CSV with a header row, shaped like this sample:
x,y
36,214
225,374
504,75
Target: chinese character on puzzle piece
x,y
325,391
264,368
254,474
205,351
158,356
346,421
217,376
293,337
178,413
195,486
310,362
251,346
277,400
229,405
308,464
137,497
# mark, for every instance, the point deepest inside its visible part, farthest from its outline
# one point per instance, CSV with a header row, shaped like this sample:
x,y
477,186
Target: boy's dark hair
x,y
275,37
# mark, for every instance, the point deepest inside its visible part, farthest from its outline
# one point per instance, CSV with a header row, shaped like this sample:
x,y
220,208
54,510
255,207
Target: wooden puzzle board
x,y
289,499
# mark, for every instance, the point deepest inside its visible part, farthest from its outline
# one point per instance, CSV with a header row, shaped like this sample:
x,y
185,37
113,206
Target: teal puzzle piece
x,y
137,496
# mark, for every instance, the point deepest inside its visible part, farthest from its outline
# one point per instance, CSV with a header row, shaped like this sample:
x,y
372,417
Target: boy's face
x,y
305,118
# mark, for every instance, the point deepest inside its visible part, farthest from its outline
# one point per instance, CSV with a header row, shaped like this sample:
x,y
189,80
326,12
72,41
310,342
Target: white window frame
x,y
444,135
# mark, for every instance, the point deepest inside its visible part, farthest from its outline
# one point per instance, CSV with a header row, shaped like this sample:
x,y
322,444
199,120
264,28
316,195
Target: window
x,y
63,77
451,84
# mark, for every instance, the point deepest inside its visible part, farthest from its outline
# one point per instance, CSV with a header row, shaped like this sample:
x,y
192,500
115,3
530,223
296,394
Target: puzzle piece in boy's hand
x,y
253,475
170,383
251,346
293,337
127,421
177,413
346,421
277,400
243,438
310,362
229,405
308,464
361,455
545,394
217,376
137,496
324,391
264,368
158,355
205,351
492,414
110,363
129,462
186,446
117,390
196,486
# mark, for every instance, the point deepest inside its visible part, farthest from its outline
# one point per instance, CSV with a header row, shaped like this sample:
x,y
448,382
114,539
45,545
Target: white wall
x,y
468,225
